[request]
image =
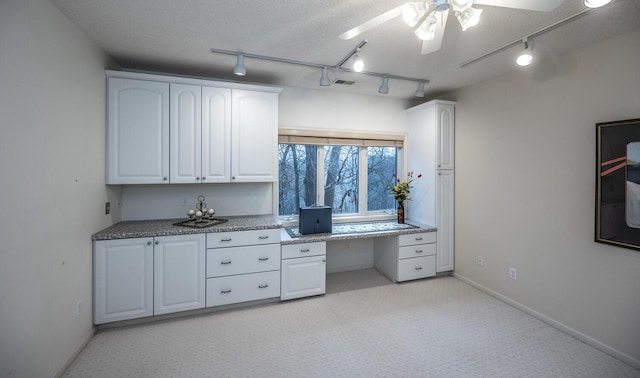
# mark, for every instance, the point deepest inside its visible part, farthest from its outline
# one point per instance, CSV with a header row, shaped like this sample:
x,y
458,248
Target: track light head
x,y
526,56
324,80
420,91
239,68
384,87
596,3
358,63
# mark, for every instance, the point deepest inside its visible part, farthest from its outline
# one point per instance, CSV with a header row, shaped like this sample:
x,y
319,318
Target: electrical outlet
x,y
346,245
513,273
78,308
184,201
481,260
107,208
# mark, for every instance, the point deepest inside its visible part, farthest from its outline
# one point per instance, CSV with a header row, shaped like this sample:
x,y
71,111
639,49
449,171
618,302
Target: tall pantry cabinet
x,y
430,152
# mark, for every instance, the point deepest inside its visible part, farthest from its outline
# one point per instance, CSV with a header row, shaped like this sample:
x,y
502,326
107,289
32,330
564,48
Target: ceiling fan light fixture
x,y
324,80
427,30
420,91
358,63
384,87
412,13
469,17
441,5
596,3
525,57
239,69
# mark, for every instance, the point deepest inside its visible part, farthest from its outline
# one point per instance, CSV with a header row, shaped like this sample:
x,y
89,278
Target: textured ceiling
x,y
175,36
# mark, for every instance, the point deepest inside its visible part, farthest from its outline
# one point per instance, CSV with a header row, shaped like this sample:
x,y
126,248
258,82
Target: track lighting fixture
x,y
526,57
596,3
358,63
354,55
324,80
420,91
239,68
384,87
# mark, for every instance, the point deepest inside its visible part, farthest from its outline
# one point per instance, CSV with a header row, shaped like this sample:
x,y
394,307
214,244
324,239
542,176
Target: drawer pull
x,y
225,240
418,251
225,262
304,250
263,286
418,268
263,237
263,258
225,291
419,239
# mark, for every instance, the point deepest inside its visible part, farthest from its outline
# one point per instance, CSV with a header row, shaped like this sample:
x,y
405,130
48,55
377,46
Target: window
x,y
353,180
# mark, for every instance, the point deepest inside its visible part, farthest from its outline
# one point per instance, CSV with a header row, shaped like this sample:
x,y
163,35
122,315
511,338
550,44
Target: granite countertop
x,y
286,238
165,227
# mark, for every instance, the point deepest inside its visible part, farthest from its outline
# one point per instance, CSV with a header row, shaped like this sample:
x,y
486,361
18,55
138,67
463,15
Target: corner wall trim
x,y
64,368
554,323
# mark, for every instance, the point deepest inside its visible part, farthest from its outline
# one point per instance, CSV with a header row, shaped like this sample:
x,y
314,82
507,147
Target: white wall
x,y
525,189
53,193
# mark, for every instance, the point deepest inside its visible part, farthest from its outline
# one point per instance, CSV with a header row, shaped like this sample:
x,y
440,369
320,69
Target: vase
x,y
400,212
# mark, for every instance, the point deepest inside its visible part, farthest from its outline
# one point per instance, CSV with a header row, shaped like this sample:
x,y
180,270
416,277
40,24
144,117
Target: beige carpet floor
x,y
438,327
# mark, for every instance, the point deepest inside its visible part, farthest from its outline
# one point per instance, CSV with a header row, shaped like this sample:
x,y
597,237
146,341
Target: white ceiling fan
x,y
431,16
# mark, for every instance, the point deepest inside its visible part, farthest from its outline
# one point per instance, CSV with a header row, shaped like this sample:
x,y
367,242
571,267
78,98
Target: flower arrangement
x,y
402,188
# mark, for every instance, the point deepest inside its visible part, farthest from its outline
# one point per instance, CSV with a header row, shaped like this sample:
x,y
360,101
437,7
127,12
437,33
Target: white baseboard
x,y
554,323
77,352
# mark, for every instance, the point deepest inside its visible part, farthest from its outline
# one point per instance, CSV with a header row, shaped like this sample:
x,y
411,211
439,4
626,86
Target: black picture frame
x,y
618,183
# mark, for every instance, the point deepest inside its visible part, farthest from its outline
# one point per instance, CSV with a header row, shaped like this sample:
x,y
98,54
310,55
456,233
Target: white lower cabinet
x,y
303,270
406,257
139,277
242,266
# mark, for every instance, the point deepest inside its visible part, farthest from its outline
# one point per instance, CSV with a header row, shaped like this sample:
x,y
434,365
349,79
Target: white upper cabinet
x,y
185,134
254,136
165,129
216,134
138,132
445,135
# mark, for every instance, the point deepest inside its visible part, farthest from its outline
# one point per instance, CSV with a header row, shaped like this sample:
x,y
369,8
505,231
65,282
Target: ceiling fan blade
x,y
434,45
372,23
534,5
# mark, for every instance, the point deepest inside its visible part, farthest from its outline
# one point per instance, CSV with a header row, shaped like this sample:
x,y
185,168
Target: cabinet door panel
x,y
303,277
216,134
185,161
254,136
179,276
123,287
445,220
138,132
445,136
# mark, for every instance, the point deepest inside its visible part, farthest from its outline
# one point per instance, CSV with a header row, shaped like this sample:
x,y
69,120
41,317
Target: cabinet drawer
x,y
242,288
291,251
418,267
417,250
238,238
240,260
421,238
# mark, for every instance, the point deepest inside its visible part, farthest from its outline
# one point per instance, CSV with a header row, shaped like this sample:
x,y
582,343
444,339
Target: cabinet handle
x,y
149,242
226,262
263,286
197,178
164,179
225,240
418,251
304,250
418,239
263,237
418,268
225,291
203,178
157,242
263,259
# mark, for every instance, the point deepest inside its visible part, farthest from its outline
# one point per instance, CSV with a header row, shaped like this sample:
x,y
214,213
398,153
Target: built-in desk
x,y
399,252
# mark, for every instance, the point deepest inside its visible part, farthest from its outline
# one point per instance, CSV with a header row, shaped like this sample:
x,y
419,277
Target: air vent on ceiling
x,y
343,82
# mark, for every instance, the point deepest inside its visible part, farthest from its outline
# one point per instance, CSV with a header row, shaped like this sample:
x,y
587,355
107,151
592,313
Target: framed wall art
x,y
618,183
